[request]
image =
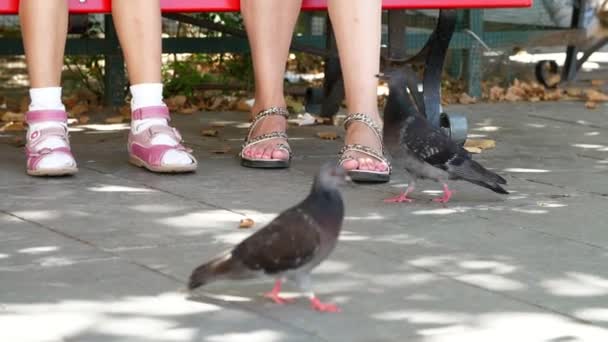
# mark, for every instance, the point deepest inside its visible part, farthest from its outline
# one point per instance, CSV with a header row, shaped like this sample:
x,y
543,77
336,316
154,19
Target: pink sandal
x,y
35,138
143,153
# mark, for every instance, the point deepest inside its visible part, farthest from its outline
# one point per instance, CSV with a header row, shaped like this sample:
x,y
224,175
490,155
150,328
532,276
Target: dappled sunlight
x,y
492,282
37,214
438,211
225,298
350,236
515,326
524,170
203,220
118,188
576,284
404,279
593,314
332,266
529,211
489,274
369,217
493,266
592,134
597,147
252,336
39,249
153,317
476,136
487,129
107,127
155,208
231,238
536,125
422,317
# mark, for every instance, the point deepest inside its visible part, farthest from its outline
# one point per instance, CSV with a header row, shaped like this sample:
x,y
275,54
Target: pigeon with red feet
x,y
423,150
290,246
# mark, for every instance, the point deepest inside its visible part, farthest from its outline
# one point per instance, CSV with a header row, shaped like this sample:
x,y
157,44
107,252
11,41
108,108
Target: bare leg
x,y
44,26
139,27
357,26
138,24
270,25
403,196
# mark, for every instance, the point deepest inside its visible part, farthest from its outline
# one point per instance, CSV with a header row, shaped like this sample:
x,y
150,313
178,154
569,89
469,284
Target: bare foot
x,y
359,133
268,149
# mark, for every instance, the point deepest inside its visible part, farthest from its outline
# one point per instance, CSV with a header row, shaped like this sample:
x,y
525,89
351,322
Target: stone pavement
x,y
104,256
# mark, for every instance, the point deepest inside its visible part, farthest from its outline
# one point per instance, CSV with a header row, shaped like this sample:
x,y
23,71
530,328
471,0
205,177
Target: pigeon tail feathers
x,y
213,270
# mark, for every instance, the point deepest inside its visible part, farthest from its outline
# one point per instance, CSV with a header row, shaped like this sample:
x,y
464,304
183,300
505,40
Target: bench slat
x,y
104,6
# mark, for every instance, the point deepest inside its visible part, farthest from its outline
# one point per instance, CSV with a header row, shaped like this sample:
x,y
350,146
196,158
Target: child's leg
x,y
138,24
44,28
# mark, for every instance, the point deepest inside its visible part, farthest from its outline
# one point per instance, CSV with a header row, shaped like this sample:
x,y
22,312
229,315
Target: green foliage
x,y
183,77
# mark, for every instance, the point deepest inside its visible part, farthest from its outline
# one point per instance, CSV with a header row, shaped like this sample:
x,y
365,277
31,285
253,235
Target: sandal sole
x,y
53,172
265,164
369,177
162,169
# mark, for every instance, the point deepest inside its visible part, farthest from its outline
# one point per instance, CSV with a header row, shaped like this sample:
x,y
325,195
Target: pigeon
x,y
423,150
290,246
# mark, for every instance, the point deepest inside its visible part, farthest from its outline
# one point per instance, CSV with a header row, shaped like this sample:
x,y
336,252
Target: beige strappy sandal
x,y
368,176
267,163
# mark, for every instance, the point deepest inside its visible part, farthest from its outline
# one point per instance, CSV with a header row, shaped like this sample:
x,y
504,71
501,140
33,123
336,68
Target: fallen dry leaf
x,y
328,135
497,93
210,132
595,95
10,116
590,105
187,111
597,83
483,144
13,126
242,106
114,119
24,104
221,150
475,150
125,111
217,102
246,223
574,91
176,101
465,98
79,109
70,101
83,119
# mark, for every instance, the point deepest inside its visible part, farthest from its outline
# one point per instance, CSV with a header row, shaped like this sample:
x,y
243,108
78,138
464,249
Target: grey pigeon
x,y
290,246
424,150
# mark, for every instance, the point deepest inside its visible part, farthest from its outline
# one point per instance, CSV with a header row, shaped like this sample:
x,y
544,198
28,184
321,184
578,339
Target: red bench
x,y
330,97
104,6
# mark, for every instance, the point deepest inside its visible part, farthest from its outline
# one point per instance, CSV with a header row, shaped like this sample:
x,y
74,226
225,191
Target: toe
x,y
268,152
280,154
350,164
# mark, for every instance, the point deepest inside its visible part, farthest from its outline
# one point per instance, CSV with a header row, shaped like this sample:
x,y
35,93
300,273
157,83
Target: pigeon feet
x,y
278,299
274,294
447,194
399,199
323,307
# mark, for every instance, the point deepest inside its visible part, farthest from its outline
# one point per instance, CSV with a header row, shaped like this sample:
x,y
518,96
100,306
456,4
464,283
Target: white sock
x,y
49,99
148,95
